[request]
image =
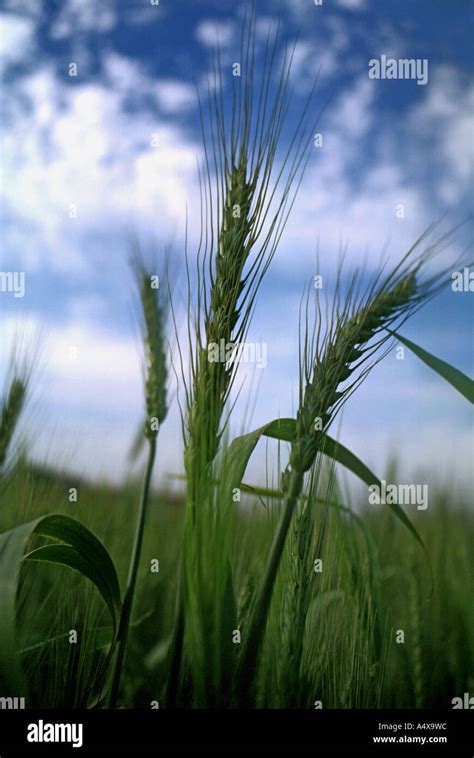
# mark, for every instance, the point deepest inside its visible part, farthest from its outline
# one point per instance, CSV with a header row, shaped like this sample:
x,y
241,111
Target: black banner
x,y
135,732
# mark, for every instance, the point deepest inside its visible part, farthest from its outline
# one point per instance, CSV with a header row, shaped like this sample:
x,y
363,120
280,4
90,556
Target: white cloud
x,y
81,365
308,63
123,74
210,33
16,38
127,77
174,96
361,211
353,5
77,145
78,16
31,10
91,368
353,111
322,60
385,204
447,114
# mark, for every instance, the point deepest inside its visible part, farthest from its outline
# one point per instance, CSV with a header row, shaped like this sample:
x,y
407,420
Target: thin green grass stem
x,y
132,577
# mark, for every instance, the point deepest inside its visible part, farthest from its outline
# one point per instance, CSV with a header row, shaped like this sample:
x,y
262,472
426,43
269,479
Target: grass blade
x,y
239,452
78,549
456,378
343,455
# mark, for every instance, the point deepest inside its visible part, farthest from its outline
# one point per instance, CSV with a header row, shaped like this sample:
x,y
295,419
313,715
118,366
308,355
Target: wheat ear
x,y
245,203
324,373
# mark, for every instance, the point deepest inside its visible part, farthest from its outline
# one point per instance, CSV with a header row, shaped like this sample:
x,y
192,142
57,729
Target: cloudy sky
x,y
119,144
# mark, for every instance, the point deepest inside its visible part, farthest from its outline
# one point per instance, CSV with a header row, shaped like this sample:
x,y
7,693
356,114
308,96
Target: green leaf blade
x,y
462,383
349,460
241,448
77,548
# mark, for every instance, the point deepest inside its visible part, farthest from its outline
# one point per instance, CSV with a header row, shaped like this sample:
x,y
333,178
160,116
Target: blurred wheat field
x,y
349,657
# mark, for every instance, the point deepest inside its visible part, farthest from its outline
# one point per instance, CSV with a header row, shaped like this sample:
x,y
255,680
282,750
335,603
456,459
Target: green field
x,y
333,641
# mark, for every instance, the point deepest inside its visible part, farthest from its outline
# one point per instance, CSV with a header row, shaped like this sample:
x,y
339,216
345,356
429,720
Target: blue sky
x,y
86,141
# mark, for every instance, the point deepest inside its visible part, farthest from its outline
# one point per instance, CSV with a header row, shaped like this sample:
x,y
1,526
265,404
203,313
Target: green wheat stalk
x,y
154,318
330,370
307,540
245,202
12,407
13,403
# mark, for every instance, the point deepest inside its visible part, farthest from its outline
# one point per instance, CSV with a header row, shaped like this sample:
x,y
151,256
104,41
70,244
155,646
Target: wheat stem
x,y
254,634
12,407
153,316
243,220
319,399
127,605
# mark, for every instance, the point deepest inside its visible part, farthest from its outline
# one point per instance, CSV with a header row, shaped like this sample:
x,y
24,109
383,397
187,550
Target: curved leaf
x,y
78,549
238,454
456,378
241,448
343,455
